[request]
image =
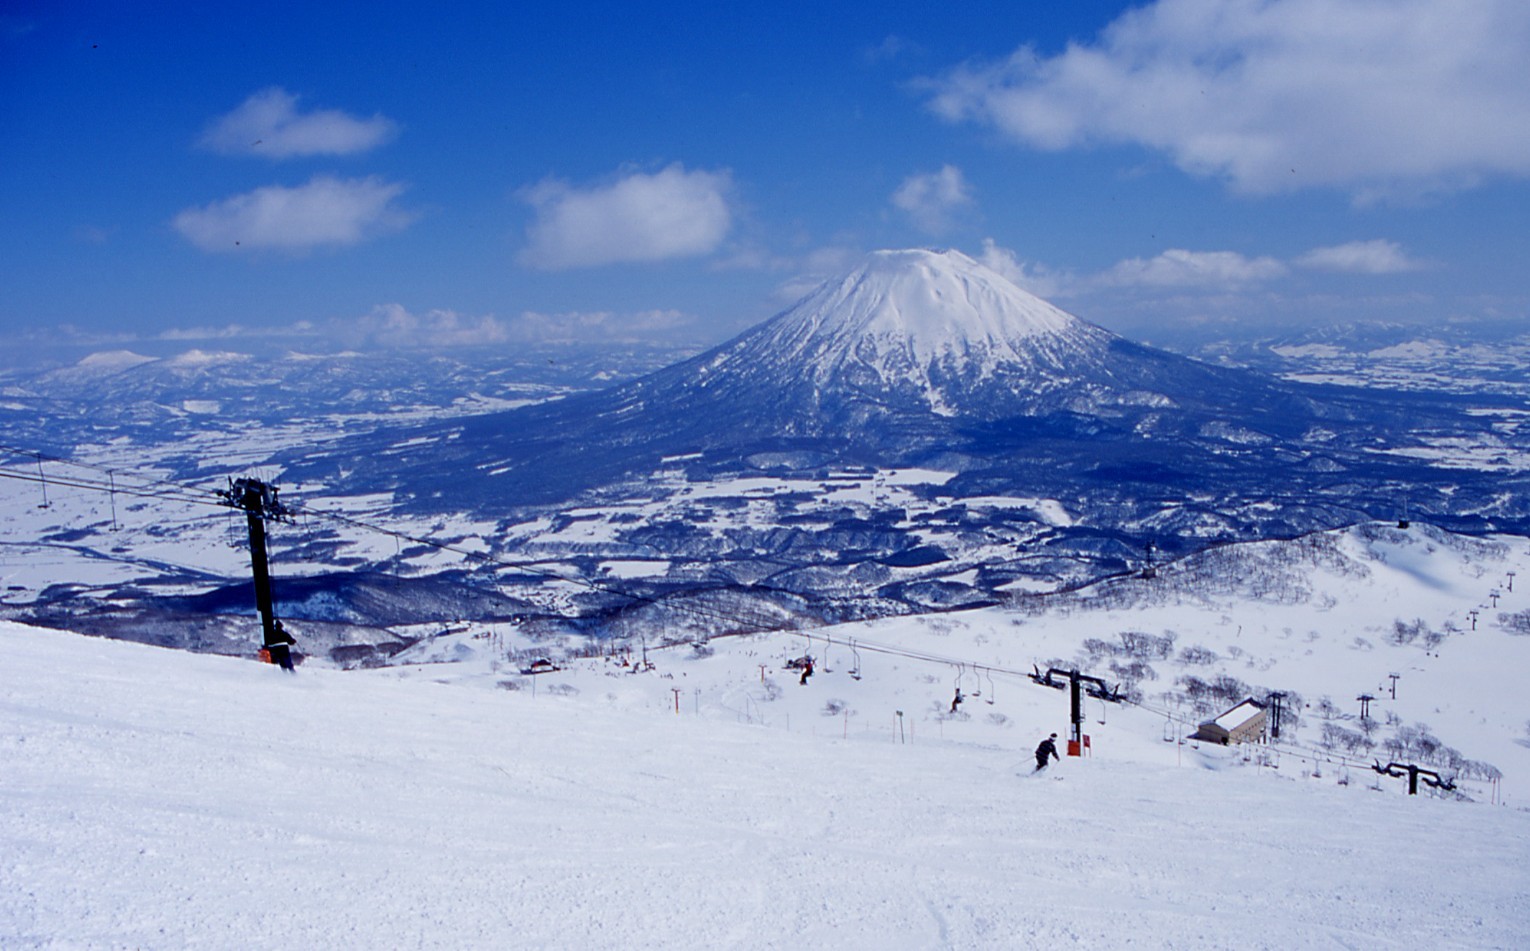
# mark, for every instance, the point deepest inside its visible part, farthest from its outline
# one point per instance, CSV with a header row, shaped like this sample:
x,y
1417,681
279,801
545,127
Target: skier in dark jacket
x,y
281,649
1047,751
807,671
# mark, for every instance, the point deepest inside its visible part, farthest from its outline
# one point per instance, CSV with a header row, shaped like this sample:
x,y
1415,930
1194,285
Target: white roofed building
x,y
1244,723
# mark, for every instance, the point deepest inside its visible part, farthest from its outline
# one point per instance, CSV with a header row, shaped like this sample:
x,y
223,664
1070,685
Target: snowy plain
x,y
158,799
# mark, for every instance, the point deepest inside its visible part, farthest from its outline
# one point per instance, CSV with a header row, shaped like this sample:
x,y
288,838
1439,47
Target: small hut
x,y
1244,723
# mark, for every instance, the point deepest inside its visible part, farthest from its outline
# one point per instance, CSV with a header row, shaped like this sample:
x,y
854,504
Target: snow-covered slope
x,y
156,799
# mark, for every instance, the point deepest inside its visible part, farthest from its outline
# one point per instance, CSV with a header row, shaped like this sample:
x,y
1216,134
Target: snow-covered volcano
x,y
926,358
911,334
911,337
932,325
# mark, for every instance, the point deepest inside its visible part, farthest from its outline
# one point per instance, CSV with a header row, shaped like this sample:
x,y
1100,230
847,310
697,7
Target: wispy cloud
x,y
933,200
606,326
326,211
226,332
813,268
1378,97
1209,270
1182,288
892,47
393,326
1177,267
269,124
93,234
1037,279
15,27
1361,257
637,218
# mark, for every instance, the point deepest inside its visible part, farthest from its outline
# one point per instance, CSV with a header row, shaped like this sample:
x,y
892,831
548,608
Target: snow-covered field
x,y
159,799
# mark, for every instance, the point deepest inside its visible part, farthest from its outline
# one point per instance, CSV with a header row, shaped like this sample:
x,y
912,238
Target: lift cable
x,y
137,491
176,492
171,488
183,493
166,490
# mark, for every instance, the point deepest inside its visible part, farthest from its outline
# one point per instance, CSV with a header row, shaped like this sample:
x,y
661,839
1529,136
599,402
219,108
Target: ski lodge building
x,y
1244,723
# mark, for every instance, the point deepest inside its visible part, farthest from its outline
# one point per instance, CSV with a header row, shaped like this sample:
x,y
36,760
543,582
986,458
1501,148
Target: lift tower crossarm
x,y
1096,688
1413,772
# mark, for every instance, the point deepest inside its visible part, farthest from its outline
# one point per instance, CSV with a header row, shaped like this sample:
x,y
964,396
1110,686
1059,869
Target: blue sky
x,y
422,174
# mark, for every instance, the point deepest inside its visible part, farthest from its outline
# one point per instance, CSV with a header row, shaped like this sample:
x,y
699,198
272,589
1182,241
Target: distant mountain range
x,y
927,358
916,435
185,395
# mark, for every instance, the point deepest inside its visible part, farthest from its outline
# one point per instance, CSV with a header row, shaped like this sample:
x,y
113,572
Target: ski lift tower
x,y
1075,684
1273,702
259,502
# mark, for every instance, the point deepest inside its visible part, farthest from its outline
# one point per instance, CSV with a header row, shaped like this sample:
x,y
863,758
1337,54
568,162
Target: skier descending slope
x,y
280,649
1047,750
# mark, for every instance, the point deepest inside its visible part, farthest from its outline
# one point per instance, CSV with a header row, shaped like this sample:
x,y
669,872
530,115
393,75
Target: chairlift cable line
x,y
183,493
694,610
108,471
208,497
104,487
192,495
1298,750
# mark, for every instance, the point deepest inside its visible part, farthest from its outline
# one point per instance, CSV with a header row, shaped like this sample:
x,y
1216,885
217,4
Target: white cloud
x,y
1377,96
605,326
1179,268
752,257
815,267
892,47
394,326
391,325
1036,279
269,124
226,332
93,234
831,260
933,200
326,211
640,217
1361,257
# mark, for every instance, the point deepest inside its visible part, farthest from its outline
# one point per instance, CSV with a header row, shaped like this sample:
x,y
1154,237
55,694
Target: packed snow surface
x,y
158,799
